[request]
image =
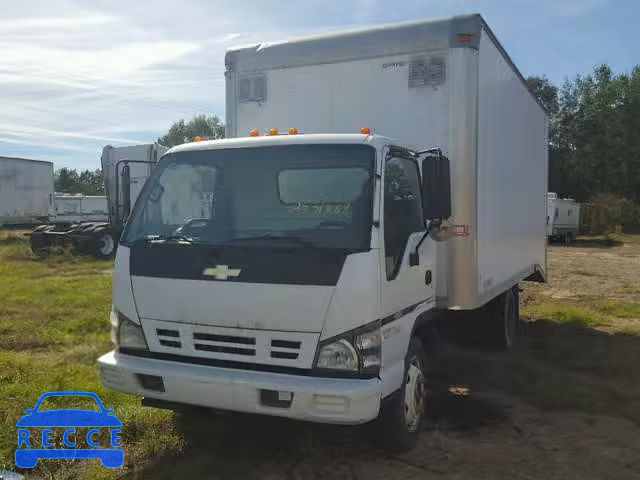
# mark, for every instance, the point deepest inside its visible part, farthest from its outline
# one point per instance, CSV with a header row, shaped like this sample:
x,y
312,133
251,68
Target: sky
x,y
78,75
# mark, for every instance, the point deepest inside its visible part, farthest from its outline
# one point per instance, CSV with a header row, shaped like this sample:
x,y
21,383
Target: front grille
x,y
224,338
294,349
221,349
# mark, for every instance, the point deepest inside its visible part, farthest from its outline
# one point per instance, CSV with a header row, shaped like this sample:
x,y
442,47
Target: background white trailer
x,y
26,191
563,218
445,83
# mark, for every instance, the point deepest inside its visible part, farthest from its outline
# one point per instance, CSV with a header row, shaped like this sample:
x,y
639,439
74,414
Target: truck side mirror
x,y
436,188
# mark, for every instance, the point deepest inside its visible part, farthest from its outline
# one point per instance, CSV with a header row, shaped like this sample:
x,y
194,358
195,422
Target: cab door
x,y
403,285
406,290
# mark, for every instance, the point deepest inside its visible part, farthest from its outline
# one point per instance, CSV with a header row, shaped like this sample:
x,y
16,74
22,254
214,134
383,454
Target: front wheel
x,y
398,425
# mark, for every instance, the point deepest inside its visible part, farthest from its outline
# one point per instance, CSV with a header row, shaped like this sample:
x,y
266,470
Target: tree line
x,y
86,182
594,143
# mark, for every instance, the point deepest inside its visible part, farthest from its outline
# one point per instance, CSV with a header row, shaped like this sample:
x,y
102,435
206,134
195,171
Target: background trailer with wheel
x,y
93,225
375,180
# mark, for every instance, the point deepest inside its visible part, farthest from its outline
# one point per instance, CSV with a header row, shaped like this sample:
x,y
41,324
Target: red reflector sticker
x,y
465,37
460,230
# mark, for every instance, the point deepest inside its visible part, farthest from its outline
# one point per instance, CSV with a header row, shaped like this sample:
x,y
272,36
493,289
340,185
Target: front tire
x,y
397,428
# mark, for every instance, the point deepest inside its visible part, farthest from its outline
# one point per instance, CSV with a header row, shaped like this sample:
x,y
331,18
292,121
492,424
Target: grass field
x,y
581,354
53,325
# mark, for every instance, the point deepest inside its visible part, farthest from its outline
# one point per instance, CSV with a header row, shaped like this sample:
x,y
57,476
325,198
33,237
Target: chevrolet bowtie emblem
x,y
221,272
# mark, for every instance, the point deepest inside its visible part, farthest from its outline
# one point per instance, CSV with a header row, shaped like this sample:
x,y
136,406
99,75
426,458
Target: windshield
x,y
295,195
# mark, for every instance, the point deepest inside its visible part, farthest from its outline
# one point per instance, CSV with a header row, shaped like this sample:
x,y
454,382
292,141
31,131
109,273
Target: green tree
x,y
87,182
66,180
546,92
594,133
91,182
209,127
594,142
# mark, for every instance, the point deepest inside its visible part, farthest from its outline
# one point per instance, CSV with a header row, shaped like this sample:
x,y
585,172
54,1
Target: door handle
x,y
428,277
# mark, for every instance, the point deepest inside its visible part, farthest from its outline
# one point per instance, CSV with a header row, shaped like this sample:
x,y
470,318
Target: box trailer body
x,y
93,224
26,191
447,84
298,274
563,218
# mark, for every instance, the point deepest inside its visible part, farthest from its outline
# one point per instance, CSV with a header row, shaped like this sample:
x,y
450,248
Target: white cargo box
x,y
445,83
26,191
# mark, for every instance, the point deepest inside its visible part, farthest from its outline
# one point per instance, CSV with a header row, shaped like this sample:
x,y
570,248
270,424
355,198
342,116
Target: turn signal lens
x,y
293,131
365,131
254,133
273,131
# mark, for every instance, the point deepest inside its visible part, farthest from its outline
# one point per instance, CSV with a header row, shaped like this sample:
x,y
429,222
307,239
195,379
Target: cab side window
x,y
402,209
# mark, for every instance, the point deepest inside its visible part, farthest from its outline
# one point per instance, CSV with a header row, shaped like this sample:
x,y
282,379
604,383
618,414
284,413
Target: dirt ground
x,y
557,408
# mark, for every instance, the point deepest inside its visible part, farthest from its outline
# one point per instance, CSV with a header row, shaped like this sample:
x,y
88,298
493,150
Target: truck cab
x,y
279,274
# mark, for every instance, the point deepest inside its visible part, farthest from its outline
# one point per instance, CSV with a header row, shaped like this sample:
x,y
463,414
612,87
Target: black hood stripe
x,y
285,266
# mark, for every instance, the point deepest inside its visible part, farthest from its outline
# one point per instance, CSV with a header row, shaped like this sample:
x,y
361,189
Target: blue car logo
x,y
28,452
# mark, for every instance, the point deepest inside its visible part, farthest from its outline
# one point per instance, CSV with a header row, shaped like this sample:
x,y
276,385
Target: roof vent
x,y
427,72
252,89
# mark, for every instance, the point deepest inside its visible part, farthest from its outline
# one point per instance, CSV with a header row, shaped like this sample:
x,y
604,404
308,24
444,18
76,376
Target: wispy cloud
x,y
79,22
78,74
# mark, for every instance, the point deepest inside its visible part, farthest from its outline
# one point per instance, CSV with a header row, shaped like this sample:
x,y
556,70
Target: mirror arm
x,y
414,257
432,151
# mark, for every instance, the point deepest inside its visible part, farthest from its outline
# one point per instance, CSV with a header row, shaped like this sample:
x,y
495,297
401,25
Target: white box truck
x,y
563,218
378,179
26,191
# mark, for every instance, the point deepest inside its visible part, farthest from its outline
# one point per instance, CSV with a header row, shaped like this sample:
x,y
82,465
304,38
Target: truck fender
x,y
397,331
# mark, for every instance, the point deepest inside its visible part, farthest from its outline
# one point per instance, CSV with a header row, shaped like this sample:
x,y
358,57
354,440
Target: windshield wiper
x,y
179,239
271,236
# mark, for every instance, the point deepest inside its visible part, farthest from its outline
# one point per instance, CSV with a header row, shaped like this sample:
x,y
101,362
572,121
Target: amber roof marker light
x,y
293,131
365,131
254,133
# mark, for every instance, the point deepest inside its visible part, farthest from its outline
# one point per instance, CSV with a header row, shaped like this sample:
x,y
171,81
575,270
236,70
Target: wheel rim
x,y
509,321
414,395
106,244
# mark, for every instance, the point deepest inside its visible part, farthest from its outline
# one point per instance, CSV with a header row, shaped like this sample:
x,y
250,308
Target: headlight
x,y
338,355
128,334
357,351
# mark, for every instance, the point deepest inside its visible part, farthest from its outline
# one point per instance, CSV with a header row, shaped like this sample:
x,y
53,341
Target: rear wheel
x,y
504,318
398,425
105,243
39,242
568,239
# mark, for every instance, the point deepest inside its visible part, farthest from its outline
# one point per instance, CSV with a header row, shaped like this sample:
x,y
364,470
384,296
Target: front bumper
x,y
326,400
